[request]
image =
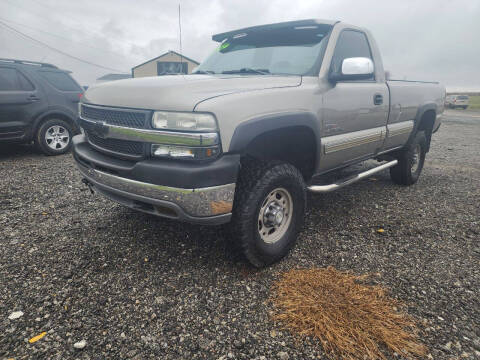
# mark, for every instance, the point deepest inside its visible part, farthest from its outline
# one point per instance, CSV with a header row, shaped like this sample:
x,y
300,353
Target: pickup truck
x,y
271,112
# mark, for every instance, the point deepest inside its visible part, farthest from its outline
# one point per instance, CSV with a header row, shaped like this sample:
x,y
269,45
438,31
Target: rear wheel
x,y
54,137
268,211
410,161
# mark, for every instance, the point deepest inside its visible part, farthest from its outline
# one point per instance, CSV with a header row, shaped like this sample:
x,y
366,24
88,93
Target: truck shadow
x,y
194,247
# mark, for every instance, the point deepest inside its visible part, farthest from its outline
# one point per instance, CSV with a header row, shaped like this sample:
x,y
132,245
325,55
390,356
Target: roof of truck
x,y
297,23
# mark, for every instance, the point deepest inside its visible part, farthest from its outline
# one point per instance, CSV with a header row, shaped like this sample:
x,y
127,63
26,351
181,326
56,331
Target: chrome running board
x,y
351,180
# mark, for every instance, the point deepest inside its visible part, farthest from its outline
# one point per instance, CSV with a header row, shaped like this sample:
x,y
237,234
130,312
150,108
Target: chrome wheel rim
x,y
57,137
275,215
416,158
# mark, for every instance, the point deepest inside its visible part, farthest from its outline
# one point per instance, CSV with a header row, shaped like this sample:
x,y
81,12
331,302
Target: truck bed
x,y
407,96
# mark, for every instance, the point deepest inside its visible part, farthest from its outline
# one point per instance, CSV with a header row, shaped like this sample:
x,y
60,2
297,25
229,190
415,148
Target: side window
x,y
24,83
8,79
350,44
60,80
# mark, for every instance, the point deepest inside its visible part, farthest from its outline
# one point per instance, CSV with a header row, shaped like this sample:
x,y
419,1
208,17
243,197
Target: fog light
x,y
173,151
183,152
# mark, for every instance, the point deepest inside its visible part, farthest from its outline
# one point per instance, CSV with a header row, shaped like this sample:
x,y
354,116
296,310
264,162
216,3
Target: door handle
x,y
33,98
377,99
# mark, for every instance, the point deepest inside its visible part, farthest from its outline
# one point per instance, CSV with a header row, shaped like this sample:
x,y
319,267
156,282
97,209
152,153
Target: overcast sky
x,y
422,39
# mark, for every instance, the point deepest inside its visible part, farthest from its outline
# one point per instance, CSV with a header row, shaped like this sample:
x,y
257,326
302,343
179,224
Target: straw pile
x,y
352,320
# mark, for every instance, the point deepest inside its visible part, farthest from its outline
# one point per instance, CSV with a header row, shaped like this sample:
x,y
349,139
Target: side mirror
x,y
356,68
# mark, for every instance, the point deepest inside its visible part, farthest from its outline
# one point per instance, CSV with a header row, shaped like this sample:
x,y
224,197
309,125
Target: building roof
x,y
168,52
115,77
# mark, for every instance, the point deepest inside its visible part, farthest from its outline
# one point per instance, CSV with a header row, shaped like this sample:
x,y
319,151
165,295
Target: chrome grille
x,y
126,118
131,148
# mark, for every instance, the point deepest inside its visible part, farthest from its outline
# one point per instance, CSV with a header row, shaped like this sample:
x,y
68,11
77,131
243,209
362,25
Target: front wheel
x,y
54,137
410,161
268,212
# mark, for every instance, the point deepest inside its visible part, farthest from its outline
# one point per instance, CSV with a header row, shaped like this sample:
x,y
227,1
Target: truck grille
x,y
127,118
126,147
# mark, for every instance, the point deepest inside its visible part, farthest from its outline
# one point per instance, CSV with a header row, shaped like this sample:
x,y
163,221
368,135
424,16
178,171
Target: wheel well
x,y
55,116
295,145
427,121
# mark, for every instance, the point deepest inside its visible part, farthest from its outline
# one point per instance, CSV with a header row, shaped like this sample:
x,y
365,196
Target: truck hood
x,y
178,92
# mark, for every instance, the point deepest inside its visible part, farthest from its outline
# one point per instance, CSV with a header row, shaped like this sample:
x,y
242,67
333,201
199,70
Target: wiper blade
x,y
247,71
204,72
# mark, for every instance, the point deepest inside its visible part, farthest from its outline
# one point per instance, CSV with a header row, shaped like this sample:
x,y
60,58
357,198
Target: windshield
x,y
286,51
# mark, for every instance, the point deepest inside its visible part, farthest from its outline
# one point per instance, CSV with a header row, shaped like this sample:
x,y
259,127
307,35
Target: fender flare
x,y
247,131
422,110
52,112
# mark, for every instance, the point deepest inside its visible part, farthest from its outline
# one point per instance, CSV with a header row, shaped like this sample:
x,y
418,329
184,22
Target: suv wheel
x,y
410,161
268,212
54,137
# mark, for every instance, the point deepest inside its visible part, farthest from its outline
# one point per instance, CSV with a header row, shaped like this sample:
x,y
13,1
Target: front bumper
x,y
203,201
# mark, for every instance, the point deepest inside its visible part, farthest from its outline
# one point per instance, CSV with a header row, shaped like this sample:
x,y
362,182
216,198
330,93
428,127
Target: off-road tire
x,y
402,173
256,181
41,141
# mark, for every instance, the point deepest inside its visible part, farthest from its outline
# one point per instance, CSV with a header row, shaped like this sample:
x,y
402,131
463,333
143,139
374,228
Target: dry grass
x,y
352,320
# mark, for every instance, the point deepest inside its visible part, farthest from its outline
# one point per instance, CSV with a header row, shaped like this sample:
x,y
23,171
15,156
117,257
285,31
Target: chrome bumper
x,y
205,205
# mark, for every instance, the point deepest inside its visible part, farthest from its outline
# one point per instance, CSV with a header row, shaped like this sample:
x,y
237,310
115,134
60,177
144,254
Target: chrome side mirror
x,y
356,68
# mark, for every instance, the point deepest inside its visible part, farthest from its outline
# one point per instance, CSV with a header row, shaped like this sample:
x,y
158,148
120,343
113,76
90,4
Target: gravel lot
x,y
134,286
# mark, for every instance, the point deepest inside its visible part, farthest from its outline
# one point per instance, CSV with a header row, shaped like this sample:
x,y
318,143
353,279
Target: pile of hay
x,y
352,320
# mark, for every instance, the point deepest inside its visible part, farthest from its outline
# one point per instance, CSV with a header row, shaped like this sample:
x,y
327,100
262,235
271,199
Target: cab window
x,y
350,43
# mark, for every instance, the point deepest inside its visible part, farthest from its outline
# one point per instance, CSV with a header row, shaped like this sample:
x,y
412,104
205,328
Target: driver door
x,y
354,111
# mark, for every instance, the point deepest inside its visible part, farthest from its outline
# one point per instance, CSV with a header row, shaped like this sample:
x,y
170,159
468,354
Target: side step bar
x,y
351,180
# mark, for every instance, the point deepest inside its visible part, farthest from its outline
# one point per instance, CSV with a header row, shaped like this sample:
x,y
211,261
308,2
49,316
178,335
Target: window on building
x,y
171,67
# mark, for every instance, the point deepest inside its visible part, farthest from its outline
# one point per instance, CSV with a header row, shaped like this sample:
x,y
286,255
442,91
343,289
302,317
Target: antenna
x,y
180,39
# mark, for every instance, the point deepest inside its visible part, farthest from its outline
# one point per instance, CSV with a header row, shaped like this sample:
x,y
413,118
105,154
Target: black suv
x,y
38,102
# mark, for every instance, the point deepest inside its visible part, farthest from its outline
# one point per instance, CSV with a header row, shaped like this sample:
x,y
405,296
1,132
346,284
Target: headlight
x,y
183,121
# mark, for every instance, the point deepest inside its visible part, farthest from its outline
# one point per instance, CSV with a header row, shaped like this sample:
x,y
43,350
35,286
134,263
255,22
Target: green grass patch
x,y
474,102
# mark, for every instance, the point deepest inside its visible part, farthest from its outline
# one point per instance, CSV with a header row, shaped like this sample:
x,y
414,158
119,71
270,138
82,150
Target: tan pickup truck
x,y
271,112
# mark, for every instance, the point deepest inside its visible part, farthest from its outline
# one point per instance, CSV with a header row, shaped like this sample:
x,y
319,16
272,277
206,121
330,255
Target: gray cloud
x,y
425,40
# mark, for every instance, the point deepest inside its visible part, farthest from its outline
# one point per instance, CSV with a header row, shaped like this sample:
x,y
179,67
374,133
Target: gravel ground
x,y
133,286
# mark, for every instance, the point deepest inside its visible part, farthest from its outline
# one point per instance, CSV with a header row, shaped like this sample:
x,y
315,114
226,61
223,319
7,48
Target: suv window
x,y
60,80
25,84
12,80
351,43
